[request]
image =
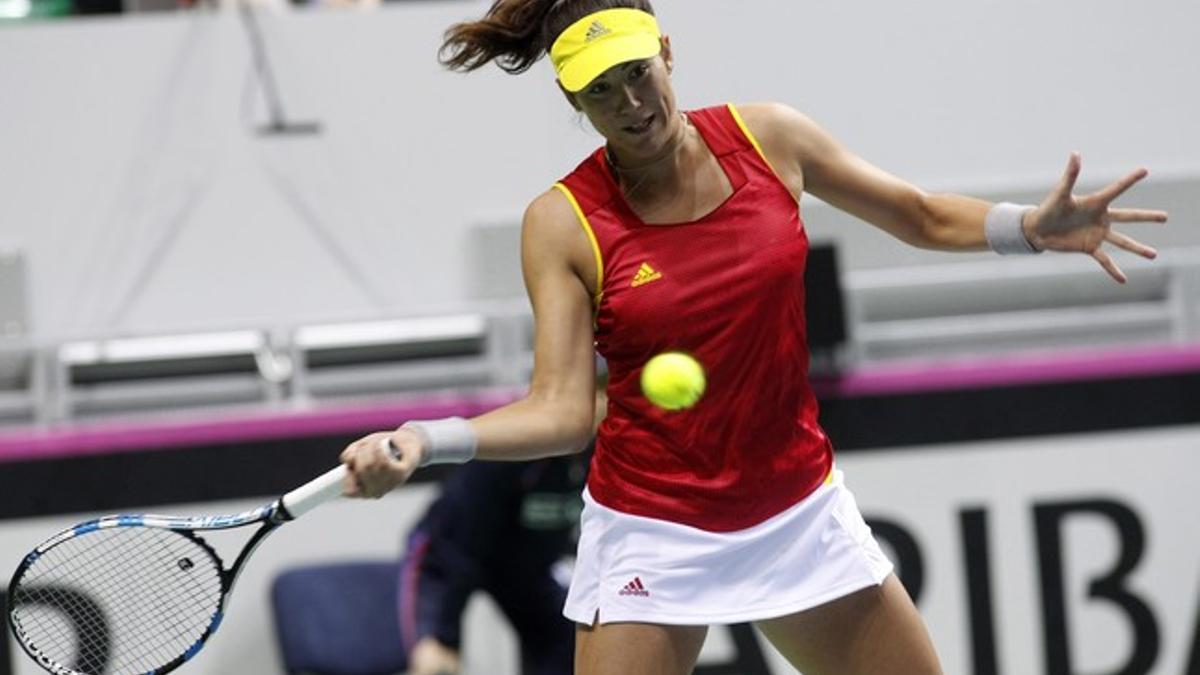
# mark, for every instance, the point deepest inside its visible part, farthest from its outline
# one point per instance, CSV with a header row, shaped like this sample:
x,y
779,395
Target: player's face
x,y
633,105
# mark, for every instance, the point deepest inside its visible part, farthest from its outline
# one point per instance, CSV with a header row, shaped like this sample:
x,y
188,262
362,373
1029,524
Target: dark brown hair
x,y
516,33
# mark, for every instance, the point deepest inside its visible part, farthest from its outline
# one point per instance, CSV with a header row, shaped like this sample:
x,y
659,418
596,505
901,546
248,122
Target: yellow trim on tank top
x,y
737,117
587,228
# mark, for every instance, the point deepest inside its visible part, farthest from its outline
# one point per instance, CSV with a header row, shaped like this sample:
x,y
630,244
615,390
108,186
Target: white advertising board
x,y
1091,543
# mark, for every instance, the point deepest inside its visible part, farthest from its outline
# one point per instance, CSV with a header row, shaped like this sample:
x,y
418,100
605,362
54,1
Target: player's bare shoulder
x,y
765,115
779,126
783,134
550,209
550,224
553,237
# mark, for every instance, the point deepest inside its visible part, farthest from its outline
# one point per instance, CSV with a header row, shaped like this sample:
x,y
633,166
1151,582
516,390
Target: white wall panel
x,y
136,185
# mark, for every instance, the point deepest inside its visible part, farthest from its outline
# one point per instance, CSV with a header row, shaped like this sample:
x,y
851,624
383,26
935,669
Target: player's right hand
x,y
375,467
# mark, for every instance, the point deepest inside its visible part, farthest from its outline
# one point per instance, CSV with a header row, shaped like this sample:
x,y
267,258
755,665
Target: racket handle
x,y
315,492
324,487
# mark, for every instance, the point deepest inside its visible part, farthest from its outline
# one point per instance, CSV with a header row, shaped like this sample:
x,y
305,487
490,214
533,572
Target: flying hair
x,y
515,34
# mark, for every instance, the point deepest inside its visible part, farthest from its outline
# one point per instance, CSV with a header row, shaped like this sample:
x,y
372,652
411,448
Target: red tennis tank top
x,y
729,290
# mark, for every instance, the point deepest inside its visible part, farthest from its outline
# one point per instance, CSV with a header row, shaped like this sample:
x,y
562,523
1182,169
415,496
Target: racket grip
x,y
315,492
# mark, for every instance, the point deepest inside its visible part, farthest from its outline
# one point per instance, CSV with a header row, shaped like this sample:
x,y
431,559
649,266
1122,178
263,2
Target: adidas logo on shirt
x,y
645,275
635,587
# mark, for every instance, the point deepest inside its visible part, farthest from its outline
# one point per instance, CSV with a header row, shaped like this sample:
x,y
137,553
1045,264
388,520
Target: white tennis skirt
x,y
632,568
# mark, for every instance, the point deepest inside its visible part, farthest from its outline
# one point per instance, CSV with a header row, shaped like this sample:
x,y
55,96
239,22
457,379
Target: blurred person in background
x,y
507,529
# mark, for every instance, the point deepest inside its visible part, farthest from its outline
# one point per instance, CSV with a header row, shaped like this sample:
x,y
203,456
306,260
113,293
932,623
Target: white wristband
x,y
1002,227
447,441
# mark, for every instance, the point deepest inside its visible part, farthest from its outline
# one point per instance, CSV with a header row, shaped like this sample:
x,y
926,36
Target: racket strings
x,y
95,628
122,558
93,623
119,600
168,613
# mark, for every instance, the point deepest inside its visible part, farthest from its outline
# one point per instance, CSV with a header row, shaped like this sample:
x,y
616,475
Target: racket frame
x,y
290,506
271,516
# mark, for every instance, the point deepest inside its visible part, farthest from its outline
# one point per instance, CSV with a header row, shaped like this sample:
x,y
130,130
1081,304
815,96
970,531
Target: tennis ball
x,y
673,381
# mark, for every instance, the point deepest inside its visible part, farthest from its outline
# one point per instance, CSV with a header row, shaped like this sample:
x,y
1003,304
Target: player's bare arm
x,y
797,146
556,416
1063,221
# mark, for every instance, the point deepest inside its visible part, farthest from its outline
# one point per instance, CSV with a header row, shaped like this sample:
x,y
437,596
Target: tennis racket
x,y
138,594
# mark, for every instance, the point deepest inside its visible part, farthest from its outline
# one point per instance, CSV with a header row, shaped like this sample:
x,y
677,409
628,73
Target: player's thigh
x,y
637,649
875,630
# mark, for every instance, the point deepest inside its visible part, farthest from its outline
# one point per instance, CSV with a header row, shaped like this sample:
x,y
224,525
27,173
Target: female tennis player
x,y
683,232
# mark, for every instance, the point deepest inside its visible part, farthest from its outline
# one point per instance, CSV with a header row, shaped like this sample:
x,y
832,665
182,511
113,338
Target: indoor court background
x,y
1026,427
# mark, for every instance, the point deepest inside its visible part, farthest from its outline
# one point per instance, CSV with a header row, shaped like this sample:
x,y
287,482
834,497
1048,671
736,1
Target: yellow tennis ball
x,y
673,380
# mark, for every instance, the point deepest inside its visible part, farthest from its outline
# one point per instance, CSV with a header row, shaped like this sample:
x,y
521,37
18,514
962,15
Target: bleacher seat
x,y
339,619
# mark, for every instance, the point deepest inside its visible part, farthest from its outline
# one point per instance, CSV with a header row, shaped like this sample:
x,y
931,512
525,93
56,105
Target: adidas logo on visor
x,y
596,31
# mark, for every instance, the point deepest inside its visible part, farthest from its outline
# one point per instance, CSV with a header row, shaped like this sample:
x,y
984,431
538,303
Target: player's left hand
x,y
1068,222
379,462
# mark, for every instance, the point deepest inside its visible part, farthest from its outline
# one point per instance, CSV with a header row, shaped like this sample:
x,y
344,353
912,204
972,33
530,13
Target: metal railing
x,y
932,313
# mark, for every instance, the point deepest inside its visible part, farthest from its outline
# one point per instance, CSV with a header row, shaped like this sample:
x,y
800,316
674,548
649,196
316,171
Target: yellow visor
x,y
602,40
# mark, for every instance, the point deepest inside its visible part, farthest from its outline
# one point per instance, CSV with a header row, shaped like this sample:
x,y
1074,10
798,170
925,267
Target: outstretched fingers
x,y
1137,216
1081,217
1109,266
1118,187
1066,185
1130,244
